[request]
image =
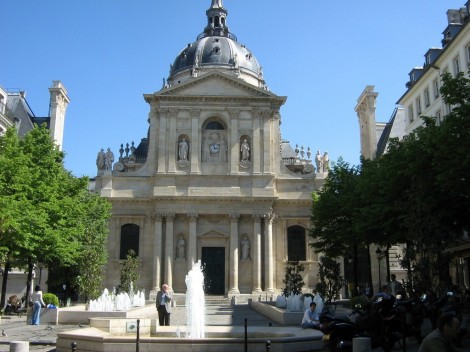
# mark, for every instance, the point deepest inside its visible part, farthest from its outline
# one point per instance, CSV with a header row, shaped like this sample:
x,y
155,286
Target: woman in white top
x,y
36,297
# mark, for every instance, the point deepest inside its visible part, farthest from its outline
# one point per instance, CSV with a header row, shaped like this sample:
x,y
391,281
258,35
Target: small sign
x,y
131,326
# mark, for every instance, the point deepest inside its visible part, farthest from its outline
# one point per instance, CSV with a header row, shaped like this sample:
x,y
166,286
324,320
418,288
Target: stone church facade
x,y
212,180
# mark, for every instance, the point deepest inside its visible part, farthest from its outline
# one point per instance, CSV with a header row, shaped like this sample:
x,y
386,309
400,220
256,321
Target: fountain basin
x,y
110,337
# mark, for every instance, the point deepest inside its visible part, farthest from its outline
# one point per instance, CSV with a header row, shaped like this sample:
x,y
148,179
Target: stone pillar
x,y
192,240
233,142
172,144
256,146
58,106
257,254
234,218
361,344
267,147
194,146
169,249
152,147
19,346
162,151
269,252
157,251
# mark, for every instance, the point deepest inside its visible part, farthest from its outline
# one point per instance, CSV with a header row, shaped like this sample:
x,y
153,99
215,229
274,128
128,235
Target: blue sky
x,y
320,54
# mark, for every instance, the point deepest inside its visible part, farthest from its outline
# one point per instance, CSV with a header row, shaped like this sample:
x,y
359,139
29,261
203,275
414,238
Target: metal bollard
x,y
268,345
137,343
246,335
74,346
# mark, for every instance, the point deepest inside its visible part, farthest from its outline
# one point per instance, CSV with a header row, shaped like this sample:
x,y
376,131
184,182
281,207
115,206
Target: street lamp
x,y
380,255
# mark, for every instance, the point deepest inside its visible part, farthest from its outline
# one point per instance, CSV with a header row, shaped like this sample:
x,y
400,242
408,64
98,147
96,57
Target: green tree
x,y
129,272
333,211
96,213
293,280
43,215
331,280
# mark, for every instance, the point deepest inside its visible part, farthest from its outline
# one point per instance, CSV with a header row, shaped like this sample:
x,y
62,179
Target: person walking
x,y
38,303
163,302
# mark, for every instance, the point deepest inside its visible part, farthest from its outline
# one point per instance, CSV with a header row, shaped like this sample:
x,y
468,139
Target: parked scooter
x,y
368,319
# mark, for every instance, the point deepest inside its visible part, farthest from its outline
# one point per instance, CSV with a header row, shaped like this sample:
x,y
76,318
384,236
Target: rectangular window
x,y
426,97
439,117
435,85
468,54
411,114
418,106
456,66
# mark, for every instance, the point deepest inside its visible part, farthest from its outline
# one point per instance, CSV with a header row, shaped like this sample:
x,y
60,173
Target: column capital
x,y
234,217
234,113
157,217
269,217
195,112
257,217
193,217
173,112
169,216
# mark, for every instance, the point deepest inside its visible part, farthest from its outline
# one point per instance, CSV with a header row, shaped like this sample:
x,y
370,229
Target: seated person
x,y
311,319
441,338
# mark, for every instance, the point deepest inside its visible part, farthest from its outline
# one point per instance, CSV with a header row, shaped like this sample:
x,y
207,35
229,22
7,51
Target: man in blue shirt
x,y
311,319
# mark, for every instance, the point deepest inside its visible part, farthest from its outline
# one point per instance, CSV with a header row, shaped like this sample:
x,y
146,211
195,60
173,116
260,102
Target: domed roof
x,y
216,49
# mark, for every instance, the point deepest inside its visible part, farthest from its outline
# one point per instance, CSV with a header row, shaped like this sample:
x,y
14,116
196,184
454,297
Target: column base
x,y
233,292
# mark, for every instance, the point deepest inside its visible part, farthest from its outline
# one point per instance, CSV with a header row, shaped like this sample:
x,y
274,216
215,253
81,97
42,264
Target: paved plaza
x,y
42,338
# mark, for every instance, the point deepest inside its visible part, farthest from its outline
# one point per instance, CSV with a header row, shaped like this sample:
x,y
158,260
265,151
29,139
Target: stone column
x,y
233,142
162,150
256,145
172,144
157,251
234,218
58,106
194,146
257,254
169,249
269,252
192,240
267,147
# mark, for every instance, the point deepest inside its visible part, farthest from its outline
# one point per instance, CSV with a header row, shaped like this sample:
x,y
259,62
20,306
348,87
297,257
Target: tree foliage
x,y
417,193
129,272
293,280
331,280
44,208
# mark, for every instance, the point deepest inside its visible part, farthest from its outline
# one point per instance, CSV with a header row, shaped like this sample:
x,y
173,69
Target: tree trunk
x,y
29,279
4,284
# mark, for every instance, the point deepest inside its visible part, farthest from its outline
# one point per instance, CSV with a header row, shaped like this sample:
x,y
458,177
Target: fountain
x,y
108,334
123,301
195,302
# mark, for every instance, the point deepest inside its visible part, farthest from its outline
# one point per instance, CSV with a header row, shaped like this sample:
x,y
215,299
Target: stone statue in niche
x,y
326,162
100,159
245,248
109,159
245,151
181,248
223,149
205,149
319,161
183,148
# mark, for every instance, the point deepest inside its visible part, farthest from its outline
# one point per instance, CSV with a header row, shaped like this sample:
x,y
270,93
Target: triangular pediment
x,y
214,234
215,84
